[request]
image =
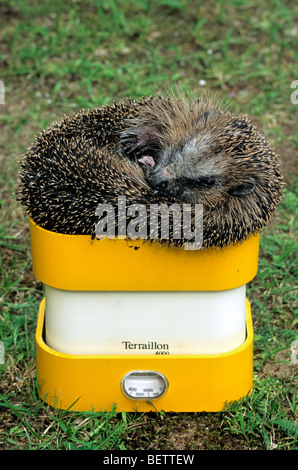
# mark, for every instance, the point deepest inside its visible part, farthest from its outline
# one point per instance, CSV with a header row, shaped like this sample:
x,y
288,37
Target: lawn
x,y
58,57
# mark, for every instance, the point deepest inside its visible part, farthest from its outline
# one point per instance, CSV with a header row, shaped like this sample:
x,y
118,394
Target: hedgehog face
x,y
185,173
193,171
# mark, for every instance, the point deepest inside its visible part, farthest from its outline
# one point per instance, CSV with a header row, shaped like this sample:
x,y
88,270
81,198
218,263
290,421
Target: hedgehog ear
x,y
203,118
246,187
139,141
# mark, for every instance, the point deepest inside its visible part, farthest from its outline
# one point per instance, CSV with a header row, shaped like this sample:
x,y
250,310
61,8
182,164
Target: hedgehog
x,y
154,150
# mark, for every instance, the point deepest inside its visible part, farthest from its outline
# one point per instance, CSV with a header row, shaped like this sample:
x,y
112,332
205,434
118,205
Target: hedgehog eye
x,y
208,182
197,182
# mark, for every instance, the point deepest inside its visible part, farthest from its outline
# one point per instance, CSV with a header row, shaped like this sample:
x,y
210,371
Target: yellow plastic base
x,y
74,262
92,382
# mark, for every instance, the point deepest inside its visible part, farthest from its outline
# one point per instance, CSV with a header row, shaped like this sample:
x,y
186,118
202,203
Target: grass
x,y
57,57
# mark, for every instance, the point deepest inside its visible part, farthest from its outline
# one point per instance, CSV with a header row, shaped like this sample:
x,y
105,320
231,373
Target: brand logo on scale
x,y
160,348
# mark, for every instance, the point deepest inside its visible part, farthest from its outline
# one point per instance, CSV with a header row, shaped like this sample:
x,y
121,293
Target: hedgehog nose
x,y
168,173
161,178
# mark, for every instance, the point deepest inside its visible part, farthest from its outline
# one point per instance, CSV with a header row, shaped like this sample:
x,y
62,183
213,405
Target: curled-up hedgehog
x,y
157,150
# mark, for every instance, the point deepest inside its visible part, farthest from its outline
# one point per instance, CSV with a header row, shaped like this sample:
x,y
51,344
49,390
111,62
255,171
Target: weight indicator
x,y
144,385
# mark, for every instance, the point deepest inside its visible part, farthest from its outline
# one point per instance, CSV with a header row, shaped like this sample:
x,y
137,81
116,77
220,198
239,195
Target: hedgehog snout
x,y
160,176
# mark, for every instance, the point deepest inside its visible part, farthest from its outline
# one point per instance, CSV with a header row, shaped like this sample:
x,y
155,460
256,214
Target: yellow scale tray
x,y
86,382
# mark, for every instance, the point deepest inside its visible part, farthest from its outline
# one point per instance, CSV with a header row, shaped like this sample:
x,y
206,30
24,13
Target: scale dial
x,y
144,385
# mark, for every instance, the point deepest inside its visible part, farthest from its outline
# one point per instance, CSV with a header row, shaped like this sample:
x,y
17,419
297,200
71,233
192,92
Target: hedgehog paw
x,y
138,141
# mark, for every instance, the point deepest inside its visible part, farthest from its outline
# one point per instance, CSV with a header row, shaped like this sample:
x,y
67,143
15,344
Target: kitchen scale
x,y
142,326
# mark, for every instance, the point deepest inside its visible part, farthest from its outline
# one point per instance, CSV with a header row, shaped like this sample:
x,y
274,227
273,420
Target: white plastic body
x,y
145,322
